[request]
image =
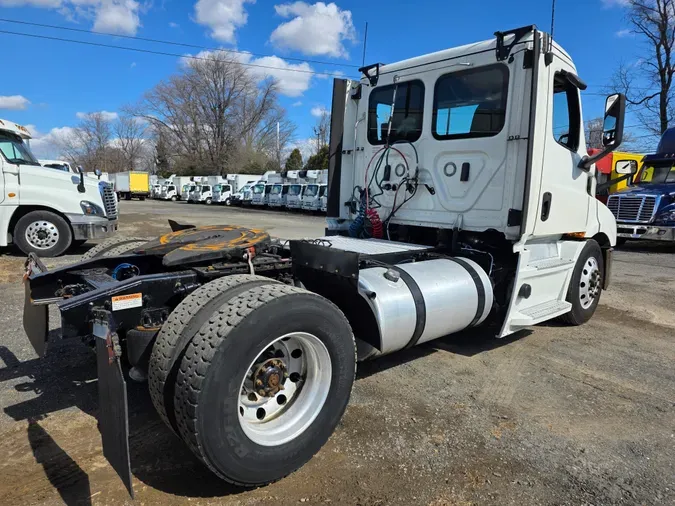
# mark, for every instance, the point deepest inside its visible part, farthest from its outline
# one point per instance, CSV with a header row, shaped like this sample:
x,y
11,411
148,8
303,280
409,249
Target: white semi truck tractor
x,y
46,210
460,196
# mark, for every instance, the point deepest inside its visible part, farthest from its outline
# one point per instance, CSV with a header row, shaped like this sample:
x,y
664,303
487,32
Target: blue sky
x,y
50,82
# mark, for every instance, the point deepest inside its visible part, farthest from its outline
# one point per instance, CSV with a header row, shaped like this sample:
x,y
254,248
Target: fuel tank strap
x,y
480,289
420,306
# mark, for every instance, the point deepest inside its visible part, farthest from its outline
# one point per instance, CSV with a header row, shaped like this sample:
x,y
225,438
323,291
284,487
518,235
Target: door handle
x,y
546,206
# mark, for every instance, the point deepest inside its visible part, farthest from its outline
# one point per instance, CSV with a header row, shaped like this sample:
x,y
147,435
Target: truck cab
x,y
277,196
222,194
258,192
193,193
294,197
645,210
483,145
46,210
311,200
205,194
185,191
169,192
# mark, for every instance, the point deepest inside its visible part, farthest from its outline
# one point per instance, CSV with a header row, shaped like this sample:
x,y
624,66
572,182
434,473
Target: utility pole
x,y
278,146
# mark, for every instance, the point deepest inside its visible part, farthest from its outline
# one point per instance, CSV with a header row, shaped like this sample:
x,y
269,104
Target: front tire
x,y
173,199
586,285
228,201
209,201
44,233
255,342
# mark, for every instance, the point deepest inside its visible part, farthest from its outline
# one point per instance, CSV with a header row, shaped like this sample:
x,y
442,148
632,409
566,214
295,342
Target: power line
x,y
163,53
171,43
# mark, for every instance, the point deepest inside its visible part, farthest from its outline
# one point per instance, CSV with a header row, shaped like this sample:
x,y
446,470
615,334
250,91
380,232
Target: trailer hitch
x,y
113,412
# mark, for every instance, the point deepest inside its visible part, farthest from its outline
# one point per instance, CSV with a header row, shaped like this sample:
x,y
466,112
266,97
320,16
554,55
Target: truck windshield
x,y
258,189
294,190
276,189
658,174
311,190
15,150
217,188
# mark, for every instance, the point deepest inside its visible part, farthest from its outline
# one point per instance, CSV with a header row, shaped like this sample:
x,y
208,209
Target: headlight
x,y
667,216
91,209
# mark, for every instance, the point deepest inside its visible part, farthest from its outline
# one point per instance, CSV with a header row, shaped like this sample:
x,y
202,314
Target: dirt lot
x,y
555,415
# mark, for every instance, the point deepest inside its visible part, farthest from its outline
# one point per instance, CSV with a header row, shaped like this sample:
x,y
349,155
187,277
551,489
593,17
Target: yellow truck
x,y
133,184
606,171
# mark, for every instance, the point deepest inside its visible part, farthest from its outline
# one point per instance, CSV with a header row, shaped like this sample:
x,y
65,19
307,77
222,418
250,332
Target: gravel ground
x,y
554,415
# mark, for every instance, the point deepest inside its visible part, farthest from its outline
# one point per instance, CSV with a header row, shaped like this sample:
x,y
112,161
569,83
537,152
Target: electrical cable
x,y
163,53
171,43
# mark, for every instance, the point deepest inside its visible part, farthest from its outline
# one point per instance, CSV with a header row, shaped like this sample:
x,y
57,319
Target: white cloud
x,y
297,104
49,145
223,17
116,16
293,79
318,29
106,115
615,3
319,111
133,65
624,33
173,25
14,102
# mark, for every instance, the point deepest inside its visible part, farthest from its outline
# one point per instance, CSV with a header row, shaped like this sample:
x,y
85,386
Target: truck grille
x,y
109,201
632,208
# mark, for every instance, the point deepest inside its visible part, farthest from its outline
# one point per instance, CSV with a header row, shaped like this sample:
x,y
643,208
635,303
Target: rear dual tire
x,y
215,381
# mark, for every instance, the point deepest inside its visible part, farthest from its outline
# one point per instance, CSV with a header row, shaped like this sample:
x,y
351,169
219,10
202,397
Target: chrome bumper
x,y
91,227
645,232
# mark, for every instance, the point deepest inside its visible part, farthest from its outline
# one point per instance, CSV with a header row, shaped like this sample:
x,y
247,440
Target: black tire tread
x,y
570,318
163,351
200,352
114,246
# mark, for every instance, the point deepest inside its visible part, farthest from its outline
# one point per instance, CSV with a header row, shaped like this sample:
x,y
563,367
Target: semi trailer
x,y
456,200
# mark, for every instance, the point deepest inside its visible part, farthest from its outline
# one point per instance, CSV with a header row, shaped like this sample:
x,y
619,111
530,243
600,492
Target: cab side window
x,y
566,113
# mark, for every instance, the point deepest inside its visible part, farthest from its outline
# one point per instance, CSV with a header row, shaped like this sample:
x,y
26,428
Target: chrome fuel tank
x,y
416,302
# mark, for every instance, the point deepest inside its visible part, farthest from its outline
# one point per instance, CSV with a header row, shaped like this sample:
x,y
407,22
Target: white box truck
x,y
45,210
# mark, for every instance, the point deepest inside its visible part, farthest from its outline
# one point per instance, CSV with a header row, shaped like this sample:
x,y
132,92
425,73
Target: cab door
x,y
563,194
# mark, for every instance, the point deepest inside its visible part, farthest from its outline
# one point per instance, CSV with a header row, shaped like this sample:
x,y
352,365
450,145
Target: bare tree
x,y
132,140
648,84
212,111
89,143
322,130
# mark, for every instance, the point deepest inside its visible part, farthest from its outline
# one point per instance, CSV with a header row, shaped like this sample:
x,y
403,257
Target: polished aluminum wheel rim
x,y
275,418
42,235
590,283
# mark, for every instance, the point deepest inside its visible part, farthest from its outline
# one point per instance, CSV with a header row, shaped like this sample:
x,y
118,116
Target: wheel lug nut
x,y
258,383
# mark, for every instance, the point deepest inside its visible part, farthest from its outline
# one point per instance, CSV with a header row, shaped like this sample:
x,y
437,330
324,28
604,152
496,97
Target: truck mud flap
x,y
35,316
113,413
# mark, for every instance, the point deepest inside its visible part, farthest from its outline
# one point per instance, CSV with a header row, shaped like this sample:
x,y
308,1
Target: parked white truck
x,y
45,210
460,196
172,190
